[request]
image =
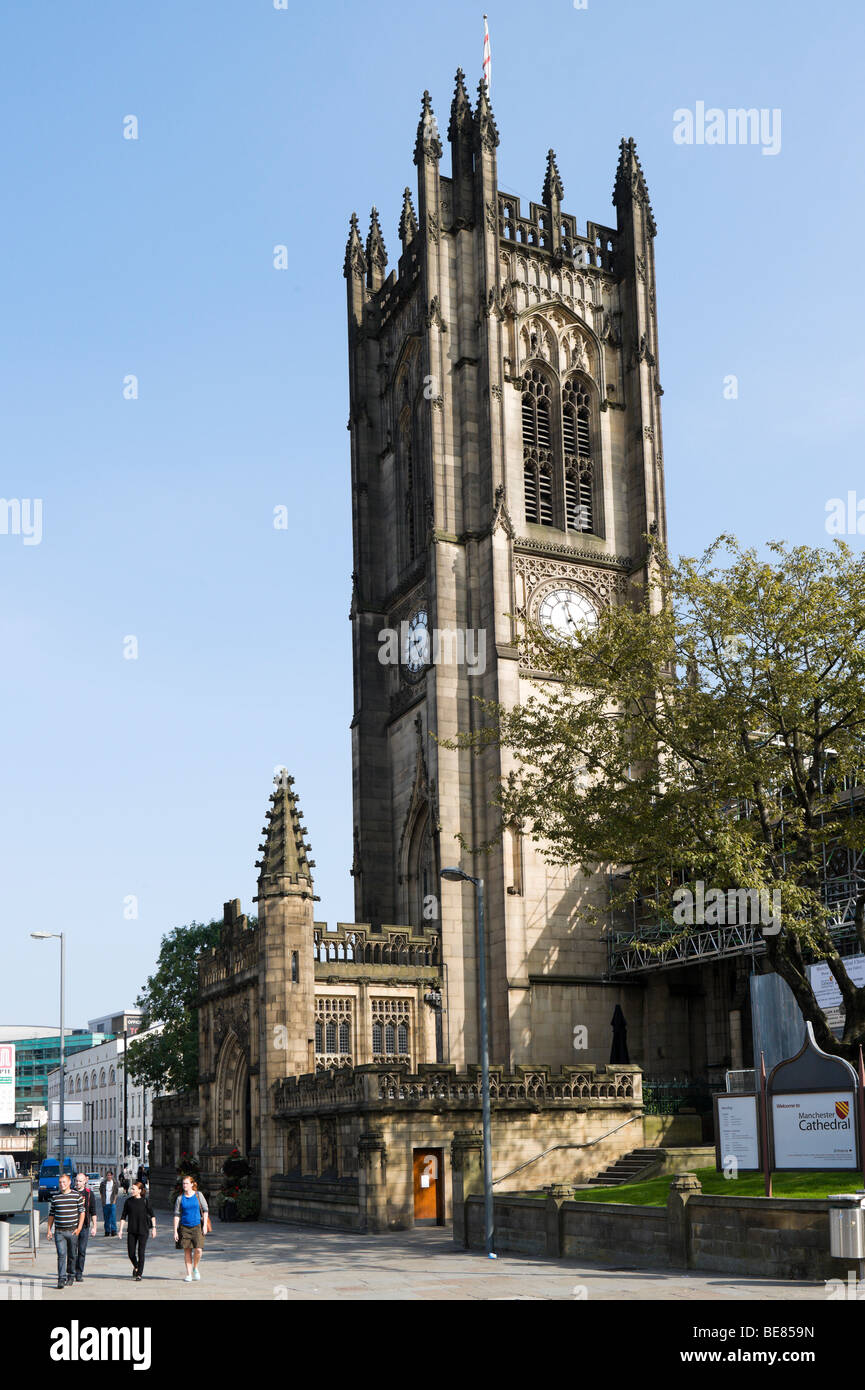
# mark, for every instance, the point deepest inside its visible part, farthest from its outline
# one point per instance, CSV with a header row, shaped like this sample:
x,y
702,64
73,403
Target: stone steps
x,y
629,1168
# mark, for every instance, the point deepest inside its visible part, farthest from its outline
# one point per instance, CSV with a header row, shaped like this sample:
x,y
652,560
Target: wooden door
x,y
428,1185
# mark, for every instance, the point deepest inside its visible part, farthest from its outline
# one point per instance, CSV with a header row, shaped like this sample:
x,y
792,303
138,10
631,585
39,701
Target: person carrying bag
x,y
191,1223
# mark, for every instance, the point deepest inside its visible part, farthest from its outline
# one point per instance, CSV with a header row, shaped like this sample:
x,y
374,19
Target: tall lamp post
x,y
457,876
48,936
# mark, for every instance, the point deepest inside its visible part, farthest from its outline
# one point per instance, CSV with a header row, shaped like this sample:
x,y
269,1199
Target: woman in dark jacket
x,y
138,1214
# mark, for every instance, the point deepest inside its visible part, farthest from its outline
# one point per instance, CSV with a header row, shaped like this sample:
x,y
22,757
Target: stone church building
x,y
506,465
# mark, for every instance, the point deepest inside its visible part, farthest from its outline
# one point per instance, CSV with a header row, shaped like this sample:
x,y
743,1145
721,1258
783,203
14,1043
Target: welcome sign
x,y
813,1110
815,1131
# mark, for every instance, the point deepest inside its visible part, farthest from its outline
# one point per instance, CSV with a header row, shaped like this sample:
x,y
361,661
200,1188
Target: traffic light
x,y
136,1149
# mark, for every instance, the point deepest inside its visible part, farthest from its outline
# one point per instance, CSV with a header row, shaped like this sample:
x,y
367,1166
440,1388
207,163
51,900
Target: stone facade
x,y
490,310
321,1059
350,1137
286,997
505,446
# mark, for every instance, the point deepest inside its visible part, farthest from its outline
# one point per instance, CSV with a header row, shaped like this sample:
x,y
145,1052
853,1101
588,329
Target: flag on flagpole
x,y
486,55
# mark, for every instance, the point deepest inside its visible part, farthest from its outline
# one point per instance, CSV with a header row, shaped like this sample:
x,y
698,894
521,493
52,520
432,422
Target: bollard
x,y
4,1247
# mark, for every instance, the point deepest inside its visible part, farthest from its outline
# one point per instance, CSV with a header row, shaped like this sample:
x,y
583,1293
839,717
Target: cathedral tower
x,y
506,463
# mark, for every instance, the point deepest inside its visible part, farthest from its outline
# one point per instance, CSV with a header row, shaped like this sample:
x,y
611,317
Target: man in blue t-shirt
x,y
190,1220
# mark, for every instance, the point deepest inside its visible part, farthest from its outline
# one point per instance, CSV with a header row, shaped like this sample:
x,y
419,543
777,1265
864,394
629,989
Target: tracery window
x,y
578,460
391,1030
537,450
333,1032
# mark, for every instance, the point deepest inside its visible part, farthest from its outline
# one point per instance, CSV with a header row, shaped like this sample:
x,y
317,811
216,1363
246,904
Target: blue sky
x,y
154,257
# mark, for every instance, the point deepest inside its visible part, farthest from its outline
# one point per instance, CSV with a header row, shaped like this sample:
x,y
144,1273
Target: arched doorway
x,y
233,1096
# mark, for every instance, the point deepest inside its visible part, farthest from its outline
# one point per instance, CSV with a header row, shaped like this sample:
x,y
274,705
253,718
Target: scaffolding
x,y
645,938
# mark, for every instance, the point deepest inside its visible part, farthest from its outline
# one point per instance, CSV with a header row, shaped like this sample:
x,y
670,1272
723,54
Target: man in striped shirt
x,y
65,1219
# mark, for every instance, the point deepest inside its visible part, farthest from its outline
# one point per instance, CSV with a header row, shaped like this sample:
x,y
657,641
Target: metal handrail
x,y
587,1145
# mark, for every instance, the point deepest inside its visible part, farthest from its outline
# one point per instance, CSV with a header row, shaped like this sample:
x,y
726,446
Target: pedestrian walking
x,y
191,1220
65,1219
138,1214
88,1228
108,1197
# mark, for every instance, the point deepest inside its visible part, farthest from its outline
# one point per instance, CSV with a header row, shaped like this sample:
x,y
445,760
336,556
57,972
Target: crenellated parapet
x,y
357,944
434,1086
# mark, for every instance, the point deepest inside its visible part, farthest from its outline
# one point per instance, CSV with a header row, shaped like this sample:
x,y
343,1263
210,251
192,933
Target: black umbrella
x,y
619,1050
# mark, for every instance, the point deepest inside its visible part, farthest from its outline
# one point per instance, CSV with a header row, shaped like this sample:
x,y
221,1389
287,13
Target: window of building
x,y
333,1032
537,447
579,463
391,1030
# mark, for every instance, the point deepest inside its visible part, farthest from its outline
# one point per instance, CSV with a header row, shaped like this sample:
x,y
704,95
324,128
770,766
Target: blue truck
x,y
49,1176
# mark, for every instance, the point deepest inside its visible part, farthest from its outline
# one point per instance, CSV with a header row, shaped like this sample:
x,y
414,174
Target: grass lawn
x,y
655,1191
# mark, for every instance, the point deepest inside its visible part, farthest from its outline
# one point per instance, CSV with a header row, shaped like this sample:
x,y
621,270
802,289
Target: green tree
x,y
169,1060
712,730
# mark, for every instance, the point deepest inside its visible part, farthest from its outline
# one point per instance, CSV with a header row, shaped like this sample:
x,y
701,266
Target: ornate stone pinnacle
x,y
408,221
461,107
428,144
552,182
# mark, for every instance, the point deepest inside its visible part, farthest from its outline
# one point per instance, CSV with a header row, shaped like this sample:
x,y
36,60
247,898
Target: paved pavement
x,y
263,1261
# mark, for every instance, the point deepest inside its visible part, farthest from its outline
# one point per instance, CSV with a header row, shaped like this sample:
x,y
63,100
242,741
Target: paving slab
x,y
266,1261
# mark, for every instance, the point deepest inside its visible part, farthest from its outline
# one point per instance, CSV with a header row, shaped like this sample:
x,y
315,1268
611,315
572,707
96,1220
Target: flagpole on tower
x,y
486,63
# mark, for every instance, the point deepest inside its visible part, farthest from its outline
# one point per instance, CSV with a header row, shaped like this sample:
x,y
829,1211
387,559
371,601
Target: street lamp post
x,y
46,936
456,876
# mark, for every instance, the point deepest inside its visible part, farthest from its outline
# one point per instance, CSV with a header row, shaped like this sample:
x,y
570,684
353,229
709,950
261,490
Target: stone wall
x,y
751,1236
175,1131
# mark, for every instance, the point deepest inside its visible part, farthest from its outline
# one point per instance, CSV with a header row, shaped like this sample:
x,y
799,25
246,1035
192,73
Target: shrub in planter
x,y
248,1205
188,1166
235,1167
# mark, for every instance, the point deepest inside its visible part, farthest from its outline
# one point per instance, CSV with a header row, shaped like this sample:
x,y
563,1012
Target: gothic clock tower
x,y
506,462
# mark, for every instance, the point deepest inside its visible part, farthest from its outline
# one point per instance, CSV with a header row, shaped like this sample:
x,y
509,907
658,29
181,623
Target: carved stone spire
x,y
461,133
408,221
355,260
553,187
486,132
461,108
285,863
428,144
631,182
376,253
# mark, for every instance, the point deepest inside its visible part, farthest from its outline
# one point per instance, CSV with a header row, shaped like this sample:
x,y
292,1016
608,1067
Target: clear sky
x,y
149,778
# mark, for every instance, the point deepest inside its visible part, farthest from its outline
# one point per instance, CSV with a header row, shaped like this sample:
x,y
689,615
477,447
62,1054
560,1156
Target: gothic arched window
x,y
578,459
537,448
406,466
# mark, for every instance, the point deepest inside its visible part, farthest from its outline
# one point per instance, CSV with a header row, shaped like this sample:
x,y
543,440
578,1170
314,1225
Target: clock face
x,y
417,644
565,613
